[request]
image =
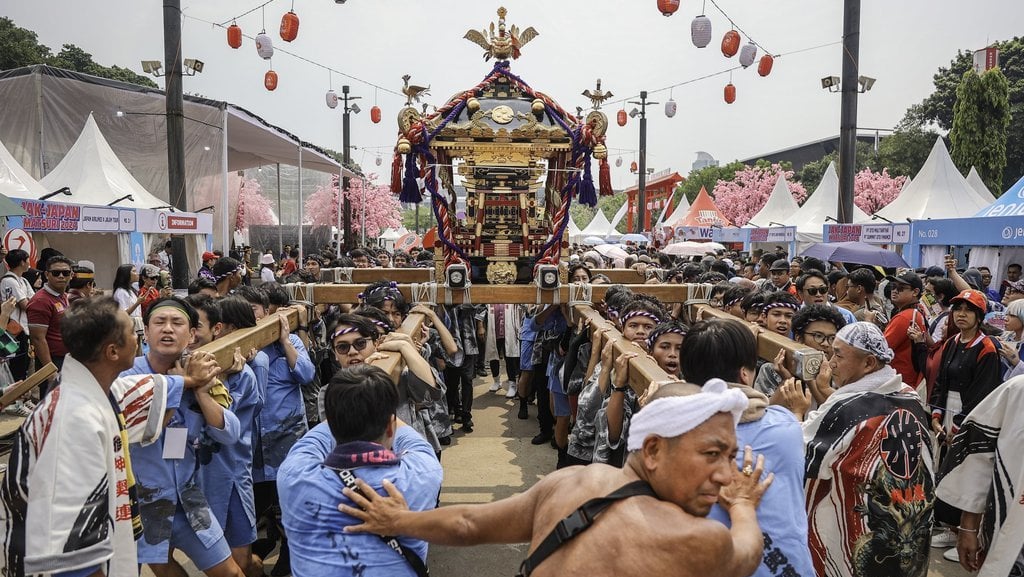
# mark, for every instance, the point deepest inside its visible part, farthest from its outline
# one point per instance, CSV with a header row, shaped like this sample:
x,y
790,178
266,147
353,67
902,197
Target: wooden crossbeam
x,y
495,294
768,343
642,369
369,275
622,275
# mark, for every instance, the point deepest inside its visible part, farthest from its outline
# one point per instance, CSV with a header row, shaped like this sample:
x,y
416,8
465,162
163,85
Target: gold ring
x,y
748,470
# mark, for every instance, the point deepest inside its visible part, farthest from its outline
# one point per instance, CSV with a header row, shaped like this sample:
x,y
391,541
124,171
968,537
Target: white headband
x,y
670,417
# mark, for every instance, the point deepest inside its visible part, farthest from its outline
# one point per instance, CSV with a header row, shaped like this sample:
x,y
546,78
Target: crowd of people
x,y
305,447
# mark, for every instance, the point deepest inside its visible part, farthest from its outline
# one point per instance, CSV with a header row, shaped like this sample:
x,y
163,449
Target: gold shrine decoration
x,y
504,43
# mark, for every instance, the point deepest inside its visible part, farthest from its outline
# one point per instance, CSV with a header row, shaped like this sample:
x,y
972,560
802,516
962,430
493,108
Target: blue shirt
x,y
166,484
310,493
781,514
282,421
230,469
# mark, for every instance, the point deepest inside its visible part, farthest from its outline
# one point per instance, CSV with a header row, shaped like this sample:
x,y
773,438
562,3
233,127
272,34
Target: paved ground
x,y
495,461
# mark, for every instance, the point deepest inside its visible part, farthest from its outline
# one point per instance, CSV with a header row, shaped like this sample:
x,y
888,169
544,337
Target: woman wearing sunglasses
x,y
355,341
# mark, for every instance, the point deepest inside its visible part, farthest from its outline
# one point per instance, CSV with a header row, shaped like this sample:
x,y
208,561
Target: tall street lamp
x,y
641,196
346,159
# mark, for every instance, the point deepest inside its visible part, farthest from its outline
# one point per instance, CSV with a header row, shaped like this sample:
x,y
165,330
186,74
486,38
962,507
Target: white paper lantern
x,y
379,161
700,31
747,54
670,108
618,162
332,99
264,46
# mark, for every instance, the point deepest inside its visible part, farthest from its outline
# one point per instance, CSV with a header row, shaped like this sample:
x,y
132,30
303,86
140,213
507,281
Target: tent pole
x,y
225,234
301,254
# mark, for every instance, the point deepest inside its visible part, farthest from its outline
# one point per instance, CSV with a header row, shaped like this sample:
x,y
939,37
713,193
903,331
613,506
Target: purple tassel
x,y
587,195
410,189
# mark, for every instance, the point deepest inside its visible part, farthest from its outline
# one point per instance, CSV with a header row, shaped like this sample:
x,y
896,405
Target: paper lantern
x,y
264,46
747,54
379,161
332,99
621,117
700,31
633,167
670,108
289,26
234,35
730,93
764,67
730,43
270,80
375,114
668,7
618,162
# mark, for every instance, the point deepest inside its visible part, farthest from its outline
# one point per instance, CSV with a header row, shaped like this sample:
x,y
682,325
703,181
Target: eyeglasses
x,y
358,345
821,338
819,290
61,272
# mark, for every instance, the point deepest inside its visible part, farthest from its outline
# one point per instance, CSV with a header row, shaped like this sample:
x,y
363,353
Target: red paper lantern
x,y
375,114
234,35
668,7
621,117
730,43
289,26
270,80
730,93
764,67
633,167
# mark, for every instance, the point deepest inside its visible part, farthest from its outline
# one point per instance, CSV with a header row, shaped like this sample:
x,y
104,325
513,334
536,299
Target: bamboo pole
x,y
369,275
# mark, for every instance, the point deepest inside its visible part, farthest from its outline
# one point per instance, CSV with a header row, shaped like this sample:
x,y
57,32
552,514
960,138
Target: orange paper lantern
x,y
633,167
375,114
234,35
289,26
730,43
730,93
668,7
621,117
270,80
764,67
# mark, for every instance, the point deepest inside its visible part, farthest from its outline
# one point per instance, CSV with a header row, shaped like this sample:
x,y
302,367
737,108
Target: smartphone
x,y
807,363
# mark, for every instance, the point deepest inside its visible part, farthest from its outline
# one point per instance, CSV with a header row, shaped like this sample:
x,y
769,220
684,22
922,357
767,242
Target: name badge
x,y
175,439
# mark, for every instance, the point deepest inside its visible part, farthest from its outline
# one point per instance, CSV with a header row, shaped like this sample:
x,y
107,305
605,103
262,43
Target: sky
x,y
628,44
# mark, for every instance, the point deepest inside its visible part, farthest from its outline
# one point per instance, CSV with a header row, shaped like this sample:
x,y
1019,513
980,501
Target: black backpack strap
x,y
349,480
579,521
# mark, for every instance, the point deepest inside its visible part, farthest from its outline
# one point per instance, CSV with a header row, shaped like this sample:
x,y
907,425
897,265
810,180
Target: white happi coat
x,y
984,473
65,500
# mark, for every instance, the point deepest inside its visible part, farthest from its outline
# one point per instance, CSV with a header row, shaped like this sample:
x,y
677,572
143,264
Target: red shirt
x,y
46,309
289,268
896,336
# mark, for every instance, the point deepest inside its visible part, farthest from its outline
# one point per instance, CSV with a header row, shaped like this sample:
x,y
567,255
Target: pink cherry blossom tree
x,y
874,190
746,195
253,207
382,207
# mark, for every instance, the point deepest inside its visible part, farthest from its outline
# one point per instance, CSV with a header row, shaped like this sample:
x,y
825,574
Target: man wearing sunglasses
x,y
906,294
812,289
45,311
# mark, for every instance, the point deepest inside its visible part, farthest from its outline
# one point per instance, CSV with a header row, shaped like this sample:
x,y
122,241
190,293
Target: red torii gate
x,y
658,191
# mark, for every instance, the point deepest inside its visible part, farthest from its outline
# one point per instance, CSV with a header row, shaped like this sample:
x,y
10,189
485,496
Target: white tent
x,y
974,179
780,205
15,181
96,176
824,202
599,226
573,231
613,233
938,191
678,214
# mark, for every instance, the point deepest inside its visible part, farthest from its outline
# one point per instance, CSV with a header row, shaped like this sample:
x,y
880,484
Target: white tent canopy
x,y
15,181
824,202
780,205
96,176
599,226
678,214
573,231
619,215
974,179
938,191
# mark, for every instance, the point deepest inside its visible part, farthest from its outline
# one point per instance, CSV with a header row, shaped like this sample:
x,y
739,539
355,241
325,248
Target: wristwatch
x,y
621,389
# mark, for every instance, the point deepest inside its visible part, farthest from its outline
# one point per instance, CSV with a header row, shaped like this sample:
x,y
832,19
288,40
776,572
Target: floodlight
x,y
830,83
866,82
193,66
152,67
354,108
634,113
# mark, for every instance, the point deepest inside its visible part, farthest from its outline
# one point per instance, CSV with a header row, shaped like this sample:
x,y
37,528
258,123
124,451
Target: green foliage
x,y
904,151
708,177
20,47
980,120
811,174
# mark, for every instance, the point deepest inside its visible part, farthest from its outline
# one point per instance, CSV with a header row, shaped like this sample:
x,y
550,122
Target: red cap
x,y
972,297
209,256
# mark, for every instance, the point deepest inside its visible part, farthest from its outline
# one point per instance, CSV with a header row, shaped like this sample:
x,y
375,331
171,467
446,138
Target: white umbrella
x,y
593,240
691,248
611,251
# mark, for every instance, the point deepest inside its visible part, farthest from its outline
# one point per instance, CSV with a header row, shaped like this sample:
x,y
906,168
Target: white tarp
x,y
938,191
974,179
573,231
96,176
780,205
613,233
824,202
15,181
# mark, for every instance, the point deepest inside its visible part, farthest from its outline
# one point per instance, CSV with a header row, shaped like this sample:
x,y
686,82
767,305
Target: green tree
x,y
904,151
582,214
19,47
811,174
980,121
707,178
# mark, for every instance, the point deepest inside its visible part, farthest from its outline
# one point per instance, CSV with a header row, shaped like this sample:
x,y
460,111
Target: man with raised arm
x,y
652,512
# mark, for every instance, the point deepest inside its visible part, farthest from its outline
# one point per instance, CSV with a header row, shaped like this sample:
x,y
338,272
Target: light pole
x,y
175,133
848,115
641,196
345,156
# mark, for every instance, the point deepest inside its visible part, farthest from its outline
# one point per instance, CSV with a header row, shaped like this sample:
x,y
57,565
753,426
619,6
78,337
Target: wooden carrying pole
x,y
495,294
643,370
768,343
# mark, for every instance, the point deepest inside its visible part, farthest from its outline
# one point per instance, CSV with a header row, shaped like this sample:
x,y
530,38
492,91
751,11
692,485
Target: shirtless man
x,y
683,443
